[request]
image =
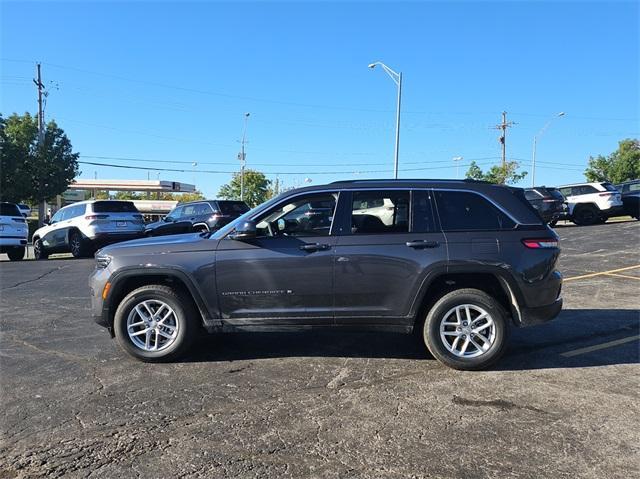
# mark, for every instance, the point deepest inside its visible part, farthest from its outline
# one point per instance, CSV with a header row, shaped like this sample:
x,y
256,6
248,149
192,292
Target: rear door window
x,y
380,212
423,214
466,211
114,207
233,208
75,211
531,195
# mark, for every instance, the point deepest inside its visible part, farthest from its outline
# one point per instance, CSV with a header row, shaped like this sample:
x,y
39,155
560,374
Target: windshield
x,y
222,232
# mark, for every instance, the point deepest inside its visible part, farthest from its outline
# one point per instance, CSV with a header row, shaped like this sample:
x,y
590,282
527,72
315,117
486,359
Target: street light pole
x,y
242,157
535,144
397,79
457,159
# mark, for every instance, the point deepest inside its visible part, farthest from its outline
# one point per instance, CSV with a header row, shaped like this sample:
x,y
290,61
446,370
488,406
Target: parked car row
x,y
82,228
586,203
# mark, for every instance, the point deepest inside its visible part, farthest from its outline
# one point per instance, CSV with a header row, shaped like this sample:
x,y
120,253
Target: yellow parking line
x,y
591,275
623,276
597,347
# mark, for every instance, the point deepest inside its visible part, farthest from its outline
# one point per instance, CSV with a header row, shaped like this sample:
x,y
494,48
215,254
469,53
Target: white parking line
x,y
597,347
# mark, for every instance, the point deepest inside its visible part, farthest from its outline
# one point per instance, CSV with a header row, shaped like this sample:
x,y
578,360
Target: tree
x,y
29,170
256,188
621,165
496,174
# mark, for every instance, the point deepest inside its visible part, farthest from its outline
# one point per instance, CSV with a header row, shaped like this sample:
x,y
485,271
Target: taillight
x,y
606,194
96,217
540,243
549,200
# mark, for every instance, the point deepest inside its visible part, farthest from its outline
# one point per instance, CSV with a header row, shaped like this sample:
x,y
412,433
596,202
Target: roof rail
x,y
410,180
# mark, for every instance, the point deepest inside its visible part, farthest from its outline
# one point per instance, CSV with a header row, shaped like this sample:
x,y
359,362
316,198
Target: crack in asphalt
x,y
495,403
20,283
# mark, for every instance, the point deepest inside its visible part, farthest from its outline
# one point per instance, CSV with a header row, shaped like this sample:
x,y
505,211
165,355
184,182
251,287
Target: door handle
x,y
421,244
314,247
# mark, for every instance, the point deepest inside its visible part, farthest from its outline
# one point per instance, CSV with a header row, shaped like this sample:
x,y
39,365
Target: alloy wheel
x,y
152,325
467,331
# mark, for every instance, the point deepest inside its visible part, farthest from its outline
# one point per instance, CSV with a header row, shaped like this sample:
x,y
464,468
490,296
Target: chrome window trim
x,y
406,188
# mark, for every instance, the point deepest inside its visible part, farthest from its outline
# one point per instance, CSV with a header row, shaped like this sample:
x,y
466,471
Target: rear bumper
x,y
614,211
539,315
9,241
104,239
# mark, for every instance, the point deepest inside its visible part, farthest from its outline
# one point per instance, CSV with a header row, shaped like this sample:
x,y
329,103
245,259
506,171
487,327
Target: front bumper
x,y
97,283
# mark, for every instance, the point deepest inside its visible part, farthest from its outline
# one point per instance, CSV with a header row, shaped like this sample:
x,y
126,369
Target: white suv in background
x,y
591,203
83,227
14,232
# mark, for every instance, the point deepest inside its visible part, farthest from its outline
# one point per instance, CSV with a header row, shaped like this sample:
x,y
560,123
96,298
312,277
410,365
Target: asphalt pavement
x,y
563,402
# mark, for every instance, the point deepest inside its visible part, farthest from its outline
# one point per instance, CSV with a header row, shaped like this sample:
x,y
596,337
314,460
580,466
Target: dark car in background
x,y
630,197
548,201
203,215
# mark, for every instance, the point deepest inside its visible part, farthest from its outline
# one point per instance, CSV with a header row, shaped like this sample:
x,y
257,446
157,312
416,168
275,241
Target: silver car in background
x,y
81,228
13,231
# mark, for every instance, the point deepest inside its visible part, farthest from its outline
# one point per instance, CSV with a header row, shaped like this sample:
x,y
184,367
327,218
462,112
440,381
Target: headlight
x,y
102,260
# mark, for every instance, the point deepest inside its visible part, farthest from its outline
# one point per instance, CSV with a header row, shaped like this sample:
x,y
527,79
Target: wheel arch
x,y
492,281
124,282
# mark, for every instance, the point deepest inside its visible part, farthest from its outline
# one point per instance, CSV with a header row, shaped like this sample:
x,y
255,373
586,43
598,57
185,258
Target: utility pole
x,y
503,138
41,94
242,156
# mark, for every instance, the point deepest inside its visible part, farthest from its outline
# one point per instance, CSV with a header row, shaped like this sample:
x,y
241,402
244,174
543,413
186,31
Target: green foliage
x,y
621,165
142,195
497,174
29,171
256,188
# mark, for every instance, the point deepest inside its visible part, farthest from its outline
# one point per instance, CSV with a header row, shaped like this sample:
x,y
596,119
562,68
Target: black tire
x,y
586,215
185,315
16,254
552,223
39,251
79,246
438,313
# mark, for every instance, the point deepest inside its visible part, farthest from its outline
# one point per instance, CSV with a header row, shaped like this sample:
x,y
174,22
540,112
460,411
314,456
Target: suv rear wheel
x,y
466,329
16,254
78,246
155,323
39,251
586,215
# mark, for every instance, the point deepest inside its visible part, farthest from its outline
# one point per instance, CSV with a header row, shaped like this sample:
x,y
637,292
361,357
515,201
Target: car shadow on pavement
x,y
537,347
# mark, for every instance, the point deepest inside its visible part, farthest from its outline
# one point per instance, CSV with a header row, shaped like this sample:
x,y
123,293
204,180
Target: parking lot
x,y
563,402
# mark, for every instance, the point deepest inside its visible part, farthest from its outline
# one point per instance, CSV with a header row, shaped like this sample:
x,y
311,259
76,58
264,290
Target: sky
x,y
167,84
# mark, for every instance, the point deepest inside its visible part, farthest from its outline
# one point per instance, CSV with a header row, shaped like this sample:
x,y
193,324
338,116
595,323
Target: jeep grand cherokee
x,y
459,262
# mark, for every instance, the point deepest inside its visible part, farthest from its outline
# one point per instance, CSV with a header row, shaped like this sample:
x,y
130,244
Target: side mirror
x,y
244,231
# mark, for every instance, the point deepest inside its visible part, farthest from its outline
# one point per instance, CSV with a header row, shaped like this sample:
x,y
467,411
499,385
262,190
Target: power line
x,y
147,160
180,170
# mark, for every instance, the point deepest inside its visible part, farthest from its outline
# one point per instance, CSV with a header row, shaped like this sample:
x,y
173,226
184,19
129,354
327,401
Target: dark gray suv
x,y
458,262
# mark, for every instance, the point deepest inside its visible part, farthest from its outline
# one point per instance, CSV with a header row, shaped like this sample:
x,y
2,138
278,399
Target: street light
x,y
242,156
535,141
457,159
397,79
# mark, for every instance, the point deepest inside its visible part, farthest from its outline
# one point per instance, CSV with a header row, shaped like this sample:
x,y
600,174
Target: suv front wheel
x,y
466,329
155,323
